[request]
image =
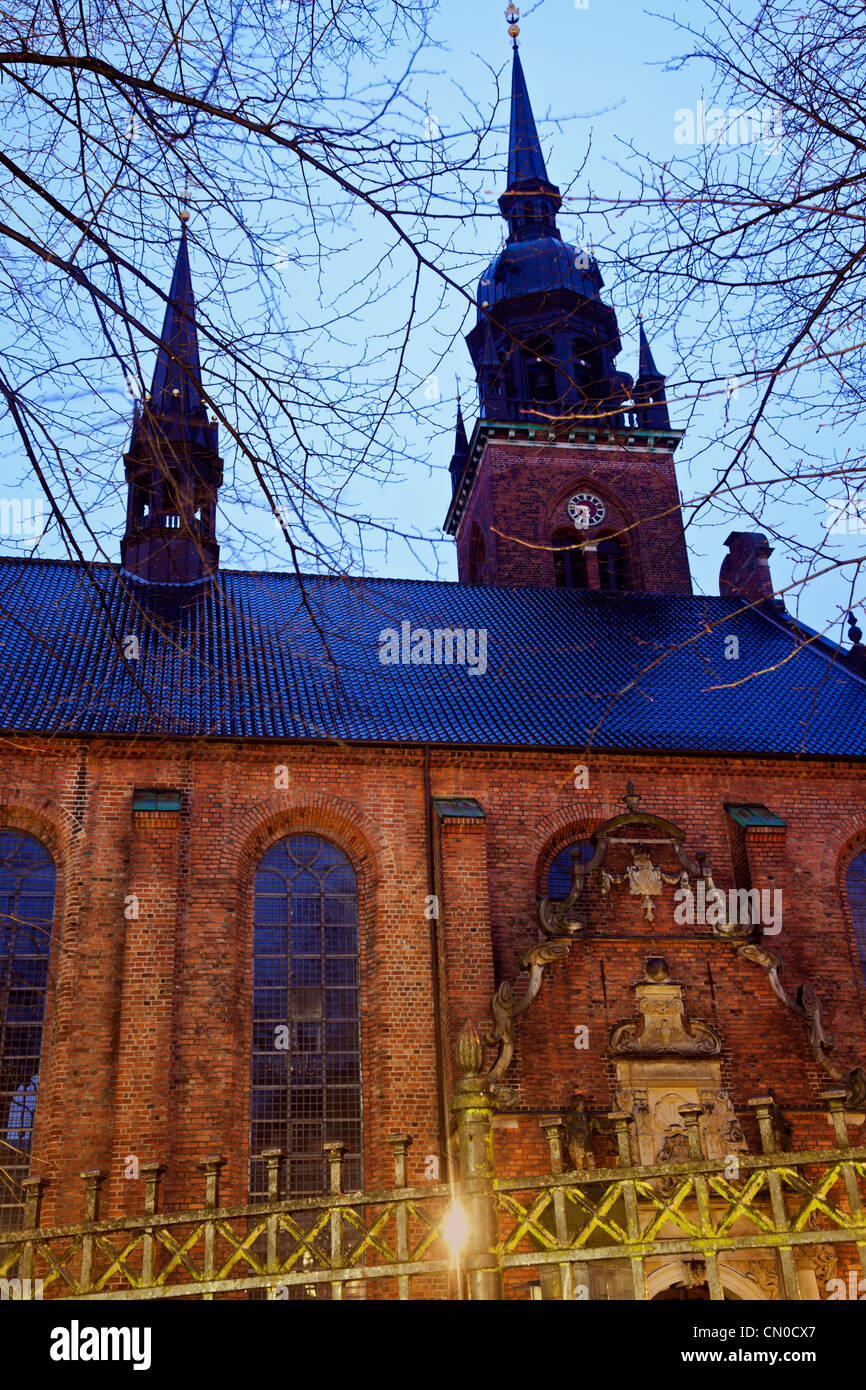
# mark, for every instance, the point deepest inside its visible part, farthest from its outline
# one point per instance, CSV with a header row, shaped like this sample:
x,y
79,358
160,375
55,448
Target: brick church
x,y
267,845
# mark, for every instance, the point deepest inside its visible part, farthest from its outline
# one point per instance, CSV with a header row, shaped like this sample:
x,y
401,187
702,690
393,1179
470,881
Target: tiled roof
x,y
264,656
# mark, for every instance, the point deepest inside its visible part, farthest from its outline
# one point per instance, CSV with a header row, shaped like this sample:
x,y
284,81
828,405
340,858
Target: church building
x,y
557,871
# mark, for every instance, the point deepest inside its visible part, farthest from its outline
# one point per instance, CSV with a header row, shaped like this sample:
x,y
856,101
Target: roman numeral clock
x,y
586,510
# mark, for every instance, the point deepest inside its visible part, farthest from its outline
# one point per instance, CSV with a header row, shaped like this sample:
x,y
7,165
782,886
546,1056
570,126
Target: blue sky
x,y
601,79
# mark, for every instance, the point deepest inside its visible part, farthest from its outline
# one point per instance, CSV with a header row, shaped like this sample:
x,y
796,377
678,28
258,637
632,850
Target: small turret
x,y
461,450
649,390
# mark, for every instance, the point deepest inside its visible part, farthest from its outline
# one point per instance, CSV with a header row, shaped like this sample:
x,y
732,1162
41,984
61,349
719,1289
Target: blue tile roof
x,y
564,669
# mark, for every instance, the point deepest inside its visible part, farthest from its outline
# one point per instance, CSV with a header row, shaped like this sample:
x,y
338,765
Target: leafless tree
x,y
753,237
313,172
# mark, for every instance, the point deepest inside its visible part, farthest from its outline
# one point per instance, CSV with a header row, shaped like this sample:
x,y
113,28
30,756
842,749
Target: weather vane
x,y
512,14
184,204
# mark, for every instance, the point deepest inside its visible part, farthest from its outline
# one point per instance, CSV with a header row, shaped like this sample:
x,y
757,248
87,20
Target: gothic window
x,y
306,1055
560,871
141,503
27,884
569,562
612,565
540,374
856,889
477,553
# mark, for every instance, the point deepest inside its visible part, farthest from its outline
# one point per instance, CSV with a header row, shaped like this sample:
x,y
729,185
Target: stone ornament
x,y
662,1030
645,879
807,1007
577,1134
506,1008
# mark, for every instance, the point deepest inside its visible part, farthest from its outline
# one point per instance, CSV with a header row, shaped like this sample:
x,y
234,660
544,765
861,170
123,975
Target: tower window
x,y
477,554
612,565
540,373
569,565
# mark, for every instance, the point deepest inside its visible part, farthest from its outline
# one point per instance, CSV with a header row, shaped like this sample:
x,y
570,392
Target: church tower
x,y
569,477
173,467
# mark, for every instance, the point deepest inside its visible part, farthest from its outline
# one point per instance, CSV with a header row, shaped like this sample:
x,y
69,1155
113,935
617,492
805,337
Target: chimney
x,y
745,571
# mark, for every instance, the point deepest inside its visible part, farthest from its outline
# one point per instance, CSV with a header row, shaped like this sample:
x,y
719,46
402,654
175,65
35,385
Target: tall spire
x,y
530,202
176,388
173,467
525,159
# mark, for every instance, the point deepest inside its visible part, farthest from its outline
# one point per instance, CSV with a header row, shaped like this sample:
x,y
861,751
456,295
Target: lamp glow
x,y
455,1228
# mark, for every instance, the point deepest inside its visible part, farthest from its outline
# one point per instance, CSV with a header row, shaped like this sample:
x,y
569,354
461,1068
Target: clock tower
x,y
568,479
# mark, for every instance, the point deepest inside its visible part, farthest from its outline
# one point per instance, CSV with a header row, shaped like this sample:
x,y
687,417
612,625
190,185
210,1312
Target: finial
x,y
512,14
632,799
184,204
854,632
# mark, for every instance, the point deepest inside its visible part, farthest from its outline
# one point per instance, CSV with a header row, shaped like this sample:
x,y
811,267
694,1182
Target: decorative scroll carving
x,y
645,879
808,1008
506,1009
565,918
662,1029
765,1274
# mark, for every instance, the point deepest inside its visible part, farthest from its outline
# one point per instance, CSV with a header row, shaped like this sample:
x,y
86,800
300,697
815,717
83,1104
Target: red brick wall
x,y
136,1064
520,497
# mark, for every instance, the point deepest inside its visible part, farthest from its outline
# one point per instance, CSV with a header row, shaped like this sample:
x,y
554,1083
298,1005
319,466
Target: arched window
x,y
27,884
306,1056
477,553
612,565
569,562
855,885
540,373
560,872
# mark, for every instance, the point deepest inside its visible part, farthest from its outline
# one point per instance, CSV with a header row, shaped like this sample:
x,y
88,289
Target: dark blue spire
x,y
173,467
176,388
530,202
461,450
544,344
647,368
461,442
649,389
525,160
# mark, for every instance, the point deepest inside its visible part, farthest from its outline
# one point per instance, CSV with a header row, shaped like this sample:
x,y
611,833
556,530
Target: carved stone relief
x,y
652,1091
662,1030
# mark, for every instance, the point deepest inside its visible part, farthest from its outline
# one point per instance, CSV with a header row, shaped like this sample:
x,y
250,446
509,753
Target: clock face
x,y
585,510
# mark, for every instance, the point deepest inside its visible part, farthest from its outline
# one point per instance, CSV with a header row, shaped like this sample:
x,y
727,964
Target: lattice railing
x,y
391,1244
779,1204
328,1243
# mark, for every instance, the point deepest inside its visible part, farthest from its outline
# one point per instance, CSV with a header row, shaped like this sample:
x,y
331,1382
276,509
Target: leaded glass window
x,y
560,873
306,1056
856,888
27,885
